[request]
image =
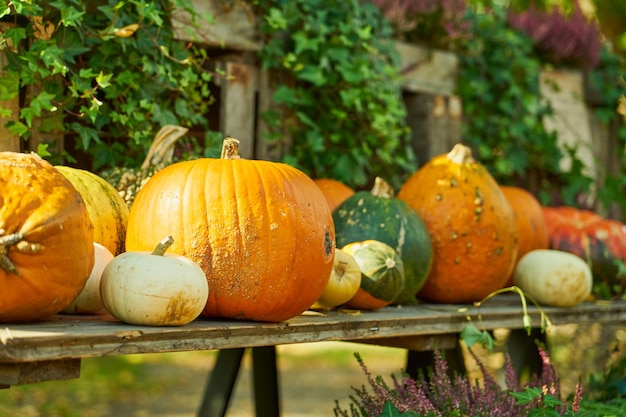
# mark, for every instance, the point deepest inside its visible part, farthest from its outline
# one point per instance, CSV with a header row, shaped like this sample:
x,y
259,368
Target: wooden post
x,y
238,105
270,150
435,122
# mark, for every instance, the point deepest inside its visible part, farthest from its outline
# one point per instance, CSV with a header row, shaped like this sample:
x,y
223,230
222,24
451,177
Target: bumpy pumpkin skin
x,y
471,224
532,230
48,263
107,210
334,191
261,231
599,241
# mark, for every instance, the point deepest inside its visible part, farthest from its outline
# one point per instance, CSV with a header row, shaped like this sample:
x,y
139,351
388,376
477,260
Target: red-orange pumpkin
x,y
599,241
532,231
261,231
46,239
334,191
471,225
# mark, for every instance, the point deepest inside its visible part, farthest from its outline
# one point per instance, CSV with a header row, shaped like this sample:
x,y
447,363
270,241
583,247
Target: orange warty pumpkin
x,y
261,231
471,224
532,230
334,191
46,239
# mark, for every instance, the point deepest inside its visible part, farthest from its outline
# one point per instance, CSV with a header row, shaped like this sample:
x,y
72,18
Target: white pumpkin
x,y
343,284
553,277
154,289
89,301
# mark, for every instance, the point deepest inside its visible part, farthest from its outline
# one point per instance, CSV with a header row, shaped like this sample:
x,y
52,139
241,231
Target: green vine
x,y
102,75
471,334
341,87
504,111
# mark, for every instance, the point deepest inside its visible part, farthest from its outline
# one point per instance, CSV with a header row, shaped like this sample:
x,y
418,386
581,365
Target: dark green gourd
x,y
379,215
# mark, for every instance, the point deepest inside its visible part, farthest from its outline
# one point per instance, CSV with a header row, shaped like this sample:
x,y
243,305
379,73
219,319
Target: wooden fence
x,y
434,112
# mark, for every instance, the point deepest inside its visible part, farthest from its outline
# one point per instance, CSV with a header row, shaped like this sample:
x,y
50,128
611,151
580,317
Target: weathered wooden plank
x,y
425,70
40,371
435,121
71,337
238,105
564,90
232,25
269,150
417,343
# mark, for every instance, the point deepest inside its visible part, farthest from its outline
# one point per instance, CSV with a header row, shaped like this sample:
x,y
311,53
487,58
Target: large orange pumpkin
x,y
335,192
471,224
532,231
261,231
46,239
107,209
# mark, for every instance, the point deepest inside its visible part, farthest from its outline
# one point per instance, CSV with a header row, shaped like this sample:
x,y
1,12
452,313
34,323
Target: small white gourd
x,y
554,278
89,301
154,289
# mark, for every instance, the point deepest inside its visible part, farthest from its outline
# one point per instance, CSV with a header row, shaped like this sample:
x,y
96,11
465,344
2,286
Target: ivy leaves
x,y
504,110
341,88
100,74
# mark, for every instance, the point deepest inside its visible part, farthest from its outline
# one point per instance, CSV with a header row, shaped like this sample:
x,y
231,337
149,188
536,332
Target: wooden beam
x,y
238,105
417,343
425,70
30,372
224,25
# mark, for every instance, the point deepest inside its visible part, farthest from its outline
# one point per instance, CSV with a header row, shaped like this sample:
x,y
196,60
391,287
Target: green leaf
x,y
314,75
42,150
471,335
276,19
527,396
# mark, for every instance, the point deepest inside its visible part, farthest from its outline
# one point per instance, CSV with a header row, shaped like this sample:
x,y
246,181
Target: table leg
x,y
425,360
265,377
219,387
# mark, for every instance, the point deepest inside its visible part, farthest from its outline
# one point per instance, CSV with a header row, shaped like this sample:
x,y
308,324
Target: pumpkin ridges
x,y
107,209
53,268
248,226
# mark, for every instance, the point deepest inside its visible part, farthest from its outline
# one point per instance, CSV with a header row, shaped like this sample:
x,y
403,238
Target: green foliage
x,y
504,111
340,86
100,74
547,403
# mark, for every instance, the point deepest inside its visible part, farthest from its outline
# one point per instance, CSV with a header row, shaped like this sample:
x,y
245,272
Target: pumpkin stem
x,y
5,243
382,188
461,154
163,246
230,149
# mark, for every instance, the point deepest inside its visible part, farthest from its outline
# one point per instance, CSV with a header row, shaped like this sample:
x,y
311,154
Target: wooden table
x,y
53,349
